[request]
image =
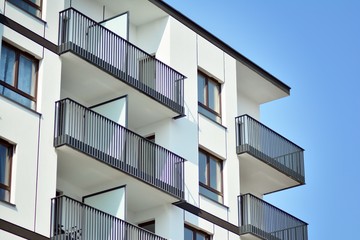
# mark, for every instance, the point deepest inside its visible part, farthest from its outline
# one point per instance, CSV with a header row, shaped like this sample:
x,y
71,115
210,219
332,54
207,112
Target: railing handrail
x,y
136,47
279,135
278,209
122,127
106,214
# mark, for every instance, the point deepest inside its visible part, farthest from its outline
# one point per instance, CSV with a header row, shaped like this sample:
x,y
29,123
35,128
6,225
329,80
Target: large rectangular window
x,y
31,6
18,74
194,234
209,97
210,176
6,151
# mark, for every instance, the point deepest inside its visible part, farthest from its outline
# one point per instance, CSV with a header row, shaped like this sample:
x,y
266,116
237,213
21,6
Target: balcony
x,y
261,220
82,135
86,46
75,220
268,161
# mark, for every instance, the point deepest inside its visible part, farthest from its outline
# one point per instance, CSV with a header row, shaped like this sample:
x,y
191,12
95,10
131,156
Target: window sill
x,y
212,200
29,14
212,120
20,105
8,203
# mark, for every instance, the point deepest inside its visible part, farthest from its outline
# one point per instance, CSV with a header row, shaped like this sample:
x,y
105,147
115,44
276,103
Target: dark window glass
x,y
18,76
150,226
194,234
6,150
31,6
209,97
210,176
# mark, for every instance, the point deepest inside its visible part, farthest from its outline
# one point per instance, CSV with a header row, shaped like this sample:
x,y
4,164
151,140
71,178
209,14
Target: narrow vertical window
x,y
209,97
18,73
6,151
210,176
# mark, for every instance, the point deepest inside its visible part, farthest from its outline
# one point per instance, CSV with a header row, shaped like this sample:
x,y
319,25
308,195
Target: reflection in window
x,y
210,176
209,97
6,150
18,73
31,6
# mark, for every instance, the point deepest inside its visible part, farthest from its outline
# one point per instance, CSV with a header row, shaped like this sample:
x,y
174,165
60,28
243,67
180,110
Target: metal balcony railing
x,y
268,222
117,146
74,220
277,151
118,57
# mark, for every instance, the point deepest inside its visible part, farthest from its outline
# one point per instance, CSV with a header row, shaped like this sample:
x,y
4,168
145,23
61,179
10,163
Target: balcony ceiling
x,y
260,178
89,176
89,86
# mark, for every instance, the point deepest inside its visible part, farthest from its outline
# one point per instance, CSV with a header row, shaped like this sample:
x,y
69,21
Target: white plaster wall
x,y
210,59
231,165
8,236
247,106
184,131
212,136
49,78
25,19
118,25
24,165
168,221
149,35
115,110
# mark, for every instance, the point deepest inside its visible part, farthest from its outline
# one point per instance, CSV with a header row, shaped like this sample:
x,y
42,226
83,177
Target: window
x,y
150,226
31,6
210,176
6,151
18,72
194,234
209,97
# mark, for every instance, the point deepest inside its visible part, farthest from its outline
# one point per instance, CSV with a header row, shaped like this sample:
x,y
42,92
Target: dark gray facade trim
x,y
28,33
208,216
220,44
20,231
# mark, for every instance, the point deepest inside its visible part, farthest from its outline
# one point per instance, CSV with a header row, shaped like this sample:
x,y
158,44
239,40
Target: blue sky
x,y
314,47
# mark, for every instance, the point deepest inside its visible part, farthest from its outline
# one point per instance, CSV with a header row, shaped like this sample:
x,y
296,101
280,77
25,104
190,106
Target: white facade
x,y
116,132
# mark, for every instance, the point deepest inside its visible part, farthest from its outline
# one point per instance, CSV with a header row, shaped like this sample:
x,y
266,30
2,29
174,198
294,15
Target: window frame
x,y
205,106
207,185
11,148
195,231
15,88
31,4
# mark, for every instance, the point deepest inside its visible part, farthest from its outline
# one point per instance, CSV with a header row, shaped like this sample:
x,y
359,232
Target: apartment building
x,y
127,120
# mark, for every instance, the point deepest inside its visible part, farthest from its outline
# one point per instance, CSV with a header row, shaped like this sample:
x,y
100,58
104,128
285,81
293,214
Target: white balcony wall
x,y
231,165
49,78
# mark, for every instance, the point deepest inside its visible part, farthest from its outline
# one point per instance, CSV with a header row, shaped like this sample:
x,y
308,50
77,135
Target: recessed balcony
x,y
260,220
71,219
97,64
268,161
84,139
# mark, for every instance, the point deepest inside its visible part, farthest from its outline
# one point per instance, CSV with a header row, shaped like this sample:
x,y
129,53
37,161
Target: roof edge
x,y
220,44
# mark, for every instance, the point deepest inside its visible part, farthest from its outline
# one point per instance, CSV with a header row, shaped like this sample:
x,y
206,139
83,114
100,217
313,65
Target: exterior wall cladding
x,y
127,120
